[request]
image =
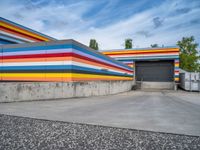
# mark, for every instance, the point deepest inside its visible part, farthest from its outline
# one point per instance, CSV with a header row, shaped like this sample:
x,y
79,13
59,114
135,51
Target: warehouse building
x,y
153,67
60,61
158,66
27,55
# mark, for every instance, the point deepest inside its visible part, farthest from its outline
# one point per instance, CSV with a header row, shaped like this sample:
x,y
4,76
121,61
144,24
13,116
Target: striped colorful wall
x,y
11,33
129,56
176,70
65,60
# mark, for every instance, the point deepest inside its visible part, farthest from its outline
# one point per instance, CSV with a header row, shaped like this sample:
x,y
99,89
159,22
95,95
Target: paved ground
x,y
166,111
26,133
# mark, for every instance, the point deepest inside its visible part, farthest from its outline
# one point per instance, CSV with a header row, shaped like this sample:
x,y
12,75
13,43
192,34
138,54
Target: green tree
x,y
189,59
93,44
154,45
128,43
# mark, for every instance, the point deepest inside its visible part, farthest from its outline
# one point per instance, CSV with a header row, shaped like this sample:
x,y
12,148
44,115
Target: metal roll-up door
x,y
156,71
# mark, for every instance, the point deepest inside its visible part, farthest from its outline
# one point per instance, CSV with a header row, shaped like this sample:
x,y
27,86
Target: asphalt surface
x,y
160,111
27,133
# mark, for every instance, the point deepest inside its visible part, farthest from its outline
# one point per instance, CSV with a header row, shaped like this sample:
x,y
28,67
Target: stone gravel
x,y
27,133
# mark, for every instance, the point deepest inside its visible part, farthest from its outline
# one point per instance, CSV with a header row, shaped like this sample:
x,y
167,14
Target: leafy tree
x,y
189,59
97,46
128,44
93,44
154,45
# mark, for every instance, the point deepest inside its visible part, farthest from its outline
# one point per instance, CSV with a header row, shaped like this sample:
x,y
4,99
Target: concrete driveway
x,y
160,111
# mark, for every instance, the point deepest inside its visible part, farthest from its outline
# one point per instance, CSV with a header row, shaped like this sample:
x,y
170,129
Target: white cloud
x,y
66,21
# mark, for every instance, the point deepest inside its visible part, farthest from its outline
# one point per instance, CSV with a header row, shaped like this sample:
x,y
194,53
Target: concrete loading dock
x,y
161,111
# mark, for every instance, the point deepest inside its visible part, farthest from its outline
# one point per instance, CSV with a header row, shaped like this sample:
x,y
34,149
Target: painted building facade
x,y
131,56
43,58
64,60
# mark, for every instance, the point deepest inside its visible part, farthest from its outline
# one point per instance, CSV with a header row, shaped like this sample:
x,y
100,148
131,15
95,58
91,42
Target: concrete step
x,y
157,85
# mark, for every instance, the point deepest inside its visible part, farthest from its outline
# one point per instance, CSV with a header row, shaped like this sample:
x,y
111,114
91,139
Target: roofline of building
x,y
26,28
147,48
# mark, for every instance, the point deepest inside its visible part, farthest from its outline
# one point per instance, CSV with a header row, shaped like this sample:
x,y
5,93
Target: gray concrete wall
x,y
28,91
157,85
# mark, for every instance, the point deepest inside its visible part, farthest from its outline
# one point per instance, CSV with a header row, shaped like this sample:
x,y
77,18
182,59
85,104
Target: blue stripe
x,y
5,42
61,67
53,47
54,67
176,76
96,70
99,56
11,40
37,48
150,58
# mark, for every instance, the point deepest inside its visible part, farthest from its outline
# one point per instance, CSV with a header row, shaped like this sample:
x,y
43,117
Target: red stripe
x,y
142,53
61,55
90,59
21,34
128,63
23,29
37,56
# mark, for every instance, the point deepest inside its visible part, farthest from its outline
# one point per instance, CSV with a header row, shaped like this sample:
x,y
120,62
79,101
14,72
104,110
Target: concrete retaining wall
x,y
28,91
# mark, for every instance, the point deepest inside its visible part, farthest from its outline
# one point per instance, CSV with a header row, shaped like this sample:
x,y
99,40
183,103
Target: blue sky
x,y
109,21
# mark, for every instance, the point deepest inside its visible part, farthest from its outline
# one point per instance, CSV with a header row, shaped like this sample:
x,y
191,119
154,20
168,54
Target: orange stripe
x,y
61,59
141,51
137,52
142,54
91,79
35,79
20,35
96,64
28,32
58,79
38,59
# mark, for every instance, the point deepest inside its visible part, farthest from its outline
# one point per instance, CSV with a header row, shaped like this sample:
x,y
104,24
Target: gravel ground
x,y
27,133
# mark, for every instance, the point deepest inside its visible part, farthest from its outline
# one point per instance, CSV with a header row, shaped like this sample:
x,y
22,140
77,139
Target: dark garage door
x,y
158,71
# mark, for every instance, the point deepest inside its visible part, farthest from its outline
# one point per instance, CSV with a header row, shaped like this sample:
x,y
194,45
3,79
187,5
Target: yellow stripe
x,y
57,75
96,76
176,65
138,51
130,66
176,79
39,75
22,31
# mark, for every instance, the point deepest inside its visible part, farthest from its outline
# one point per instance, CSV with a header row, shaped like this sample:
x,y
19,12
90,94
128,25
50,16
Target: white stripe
x,y
95,67
49,63
142,55
18,37
46,51
36,63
